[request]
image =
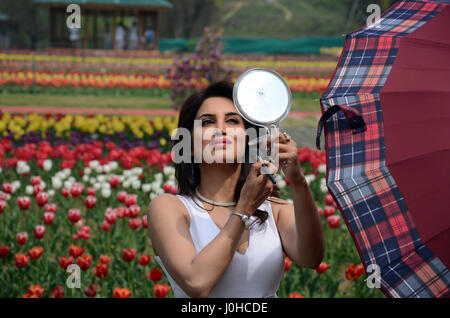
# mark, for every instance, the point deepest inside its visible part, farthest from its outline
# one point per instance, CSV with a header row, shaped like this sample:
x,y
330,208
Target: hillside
x,y
284,18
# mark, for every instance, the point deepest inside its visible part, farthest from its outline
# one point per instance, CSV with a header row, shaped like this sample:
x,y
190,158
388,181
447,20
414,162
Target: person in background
x,y
120,36
133,37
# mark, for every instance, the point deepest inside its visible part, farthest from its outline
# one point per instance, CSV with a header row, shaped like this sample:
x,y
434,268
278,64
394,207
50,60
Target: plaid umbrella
x,y
386,116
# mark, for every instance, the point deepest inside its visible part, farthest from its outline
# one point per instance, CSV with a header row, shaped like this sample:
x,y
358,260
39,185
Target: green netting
x,y
305,45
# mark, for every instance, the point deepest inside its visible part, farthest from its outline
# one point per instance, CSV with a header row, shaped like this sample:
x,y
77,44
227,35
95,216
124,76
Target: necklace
x,y
213,202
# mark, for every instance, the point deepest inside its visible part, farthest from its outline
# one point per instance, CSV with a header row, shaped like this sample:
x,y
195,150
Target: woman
x,y
206,249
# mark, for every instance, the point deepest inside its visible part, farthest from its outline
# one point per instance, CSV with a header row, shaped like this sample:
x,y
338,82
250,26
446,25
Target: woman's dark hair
x,y
188,174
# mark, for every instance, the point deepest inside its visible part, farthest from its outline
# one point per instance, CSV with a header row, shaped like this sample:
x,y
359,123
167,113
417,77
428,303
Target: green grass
x,y
301,101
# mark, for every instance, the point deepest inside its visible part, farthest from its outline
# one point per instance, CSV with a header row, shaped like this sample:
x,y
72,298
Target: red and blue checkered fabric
x,y
371,202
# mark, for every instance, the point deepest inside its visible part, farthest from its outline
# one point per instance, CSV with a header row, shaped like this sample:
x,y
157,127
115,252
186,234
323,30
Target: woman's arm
x,y
169,231
300,228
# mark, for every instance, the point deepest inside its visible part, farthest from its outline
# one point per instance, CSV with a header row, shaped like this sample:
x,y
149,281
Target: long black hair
x,y
188,173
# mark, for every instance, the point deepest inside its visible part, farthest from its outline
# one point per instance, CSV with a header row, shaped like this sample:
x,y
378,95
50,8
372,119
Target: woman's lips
x,y
222,142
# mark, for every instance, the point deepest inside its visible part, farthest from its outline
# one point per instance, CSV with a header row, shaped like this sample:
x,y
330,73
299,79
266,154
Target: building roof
x,y
120,3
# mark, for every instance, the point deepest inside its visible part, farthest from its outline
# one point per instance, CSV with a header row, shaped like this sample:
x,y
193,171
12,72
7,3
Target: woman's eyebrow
x,y
212,115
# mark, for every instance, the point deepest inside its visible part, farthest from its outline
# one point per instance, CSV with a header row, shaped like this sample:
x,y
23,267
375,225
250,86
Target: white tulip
x,y
113,165
101,178
72,179
322,168
93,164
67,172
85,178
127,173
29,189
87,171
121,178
92,180
146,187
290,201
15,185
153,195
167,170
106,169
136,184
106,192
126,184
97,185
51,193
99,169
56,183
159,177
67,184
156,185
281,184
48,164
309,178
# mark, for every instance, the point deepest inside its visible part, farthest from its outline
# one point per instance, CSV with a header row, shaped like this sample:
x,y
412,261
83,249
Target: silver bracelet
x,y
244,218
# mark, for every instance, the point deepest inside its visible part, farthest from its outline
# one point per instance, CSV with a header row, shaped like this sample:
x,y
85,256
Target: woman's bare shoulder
x,y
165,202
277,204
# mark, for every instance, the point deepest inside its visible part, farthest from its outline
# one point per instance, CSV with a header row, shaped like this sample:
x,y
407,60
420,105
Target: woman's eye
x,y
233,121
206,122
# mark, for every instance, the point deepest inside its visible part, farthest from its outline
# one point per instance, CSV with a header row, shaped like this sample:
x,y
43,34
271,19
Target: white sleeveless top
x,y
255,274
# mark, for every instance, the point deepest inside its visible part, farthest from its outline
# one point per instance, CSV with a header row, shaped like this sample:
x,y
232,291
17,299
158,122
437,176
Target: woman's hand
x,y
255,190
288,158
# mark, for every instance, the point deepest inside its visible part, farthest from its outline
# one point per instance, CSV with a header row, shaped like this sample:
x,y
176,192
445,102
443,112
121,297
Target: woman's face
x,y
220,131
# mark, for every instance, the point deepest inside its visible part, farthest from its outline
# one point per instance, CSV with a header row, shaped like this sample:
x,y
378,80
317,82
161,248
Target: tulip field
x,y
75,190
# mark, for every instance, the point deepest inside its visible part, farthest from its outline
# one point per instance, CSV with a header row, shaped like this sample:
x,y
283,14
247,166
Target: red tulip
x,y
121,196
131,199
101,270
74,215
50,207
144,222
91,291
24,202
161,290
121,292
21,260
77,189
49,217
144,260
7,188
2,206
323,267
42,198
65,261
329,199
134,224
354,272
110,217
36,252
122,212
129,254
287,263
4,250
134,211
105,226
57,292
84,262
155,275
296,295
65,192
104,259
333,221
328,210
37,189
76,250
39,231
90,201
114,181
35,180
320,211
22,238
91,191
34,291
